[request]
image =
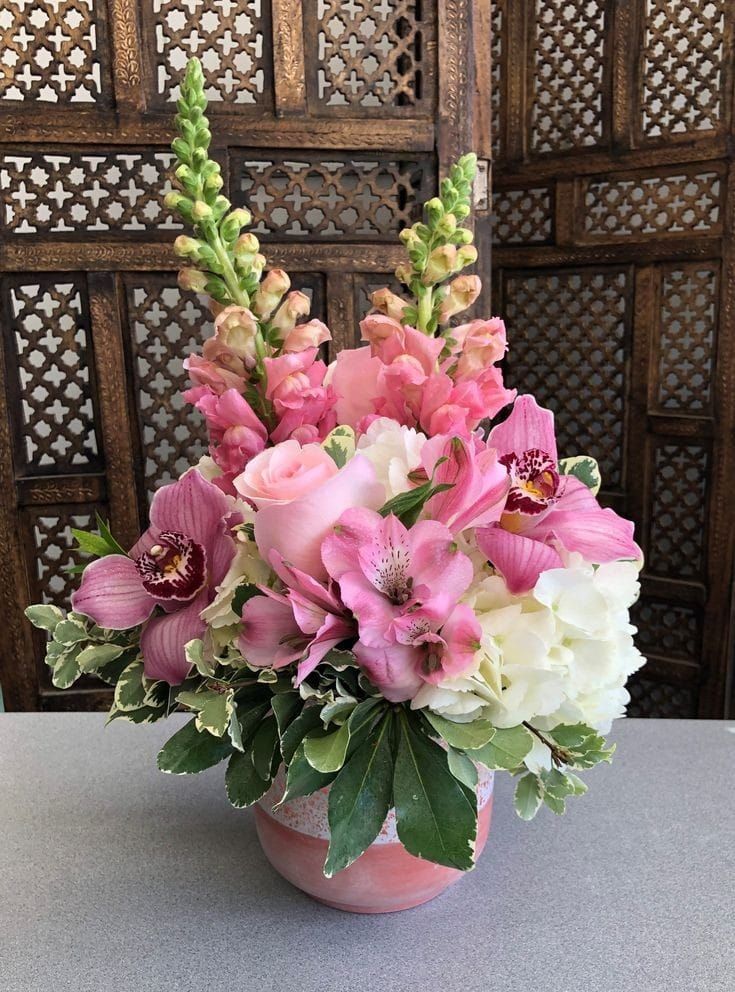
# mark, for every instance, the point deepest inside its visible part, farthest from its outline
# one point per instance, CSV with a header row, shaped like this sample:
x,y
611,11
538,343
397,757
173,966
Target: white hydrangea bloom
x,y
559,654
394,451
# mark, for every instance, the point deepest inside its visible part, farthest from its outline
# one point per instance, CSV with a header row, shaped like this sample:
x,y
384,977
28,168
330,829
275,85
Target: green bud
x,y
434,210
463,236
192,280
213,183
173,200
442,262
466,255
181,150
462,210
447,225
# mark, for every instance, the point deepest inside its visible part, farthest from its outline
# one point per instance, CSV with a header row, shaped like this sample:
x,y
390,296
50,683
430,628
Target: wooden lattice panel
x,y
165,325
678,511
567,61
568,332
683,202
48,349
333,197
686,332
50,52
375,56
684,53
56,551
230,37
671,630
523,216
62,194
656,699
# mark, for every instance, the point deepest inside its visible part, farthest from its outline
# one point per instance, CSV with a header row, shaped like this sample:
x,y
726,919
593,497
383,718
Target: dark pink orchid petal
x,y
334,630
393,669
164,638
528,426
112,594
520,560
191,506
175,568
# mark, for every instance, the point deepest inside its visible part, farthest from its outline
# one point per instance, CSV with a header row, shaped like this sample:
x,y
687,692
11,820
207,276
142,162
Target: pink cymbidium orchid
x,y
177,565
545,511
301,623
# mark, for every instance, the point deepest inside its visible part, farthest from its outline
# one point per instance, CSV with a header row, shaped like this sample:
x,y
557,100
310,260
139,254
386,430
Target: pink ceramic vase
x,y
384,880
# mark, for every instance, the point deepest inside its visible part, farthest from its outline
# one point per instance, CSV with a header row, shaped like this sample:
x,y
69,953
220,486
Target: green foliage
x,y
584,468
243,783
408,506
528,796
436,814
339,444
439,247
226,266
76,646
464,736
214,708
190,751
360,798
579,746
506,749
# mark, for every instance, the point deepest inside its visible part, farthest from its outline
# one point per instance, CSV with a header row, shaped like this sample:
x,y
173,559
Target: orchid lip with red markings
x,y
534,481
174,568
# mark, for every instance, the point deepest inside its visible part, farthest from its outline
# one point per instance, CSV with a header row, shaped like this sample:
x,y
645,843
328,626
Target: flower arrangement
x,y
383,574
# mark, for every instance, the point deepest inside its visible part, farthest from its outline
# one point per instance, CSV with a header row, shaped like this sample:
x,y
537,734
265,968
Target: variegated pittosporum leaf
x,y
584,468
340,445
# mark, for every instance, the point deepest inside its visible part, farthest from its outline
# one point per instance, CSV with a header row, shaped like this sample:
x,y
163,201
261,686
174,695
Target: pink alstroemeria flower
x,y
177,565
402,586
546,510
300,624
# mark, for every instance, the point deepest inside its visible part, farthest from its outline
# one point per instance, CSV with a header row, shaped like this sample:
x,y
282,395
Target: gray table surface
x,y
116,877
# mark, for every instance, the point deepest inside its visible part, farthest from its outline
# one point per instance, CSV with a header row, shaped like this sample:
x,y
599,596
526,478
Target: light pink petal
x,y
334,631
373,611
354,529
354,377
528,426
598,534
112,594
297,529
462,634
393,669
191,506
163,639
520,560
295,579
266,622
220,552
436,562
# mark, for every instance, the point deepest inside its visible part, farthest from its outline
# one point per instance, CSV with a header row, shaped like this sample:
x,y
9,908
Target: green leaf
x,y
327,754
407,506
96,656
465,736
130,689
359,799
91,544
309,719
572,735
250,718
436,815
70,632
243,784
146,714
302,778
106,535
264,746
66,670
584,468
340,445
286,706
194,652
44,617
507,749
190,751
214,709
578,786
527,797
462,767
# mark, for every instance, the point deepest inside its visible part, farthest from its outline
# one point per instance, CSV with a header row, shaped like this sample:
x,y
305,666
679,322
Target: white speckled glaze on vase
x,y
386,879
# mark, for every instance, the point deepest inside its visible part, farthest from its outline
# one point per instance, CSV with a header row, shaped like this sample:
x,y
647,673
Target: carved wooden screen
x,y
333,118
614,196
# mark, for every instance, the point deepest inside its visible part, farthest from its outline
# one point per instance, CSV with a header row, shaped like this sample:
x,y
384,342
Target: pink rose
x,y
284,473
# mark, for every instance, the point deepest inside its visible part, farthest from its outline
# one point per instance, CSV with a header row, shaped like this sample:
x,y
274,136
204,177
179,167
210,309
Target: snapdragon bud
x,y
192,280
466,255
186,247
295,305
404,274
201,211
434,210
389,303
173,200
463,291
238,330
447,225
270,292
442,262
